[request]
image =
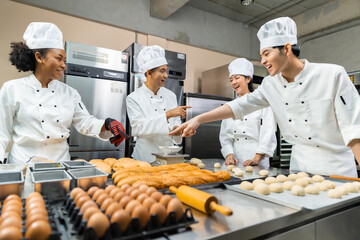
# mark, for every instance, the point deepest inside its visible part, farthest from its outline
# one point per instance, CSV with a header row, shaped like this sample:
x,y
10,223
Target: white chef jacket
x,y
38,119
319,113
255,134
147,115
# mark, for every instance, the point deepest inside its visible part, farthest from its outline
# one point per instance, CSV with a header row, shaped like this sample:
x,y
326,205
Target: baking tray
x,y
11,182
47,166
86,178
53,184
308,202
76,164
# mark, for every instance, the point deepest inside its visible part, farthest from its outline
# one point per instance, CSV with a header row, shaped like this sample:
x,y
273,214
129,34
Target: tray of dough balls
x,y
300,190
125,212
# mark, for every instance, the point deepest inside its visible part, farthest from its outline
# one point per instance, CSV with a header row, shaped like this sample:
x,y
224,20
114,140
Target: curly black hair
x,y
23,58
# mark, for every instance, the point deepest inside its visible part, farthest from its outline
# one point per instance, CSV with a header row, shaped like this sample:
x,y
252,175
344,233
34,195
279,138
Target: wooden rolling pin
x,y
199,200
345,178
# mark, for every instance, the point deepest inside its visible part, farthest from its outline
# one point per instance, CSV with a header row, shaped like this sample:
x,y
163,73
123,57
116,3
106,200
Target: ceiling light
x,y
247,2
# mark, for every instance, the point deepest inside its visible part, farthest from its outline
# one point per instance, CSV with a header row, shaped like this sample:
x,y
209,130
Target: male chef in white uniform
x,y
316,105
152,109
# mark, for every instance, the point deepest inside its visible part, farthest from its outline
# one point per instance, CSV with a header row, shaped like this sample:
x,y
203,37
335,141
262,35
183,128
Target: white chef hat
x,y
241,66
277,32
151,57
43,35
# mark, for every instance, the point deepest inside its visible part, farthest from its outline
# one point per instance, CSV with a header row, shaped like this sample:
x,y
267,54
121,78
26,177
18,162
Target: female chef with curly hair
x,y
36,111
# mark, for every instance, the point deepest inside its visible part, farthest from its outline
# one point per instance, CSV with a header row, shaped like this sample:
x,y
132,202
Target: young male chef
x,y
316,105
152,109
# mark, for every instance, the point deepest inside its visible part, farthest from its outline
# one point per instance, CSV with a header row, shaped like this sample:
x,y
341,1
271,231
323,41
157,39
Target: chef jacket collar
x,y
151,93
300,76
37,83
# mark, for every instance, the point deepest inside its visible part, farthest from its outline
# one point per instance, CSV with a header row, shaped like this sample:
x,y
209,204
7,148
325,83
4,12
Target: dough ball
x,y
350,187
333,193
262,188
320,186
287,185
281,178
229,167
292,176
249,169
329,184
308,179
264,172
246,185
312,190
357,184
298,190
195,161
217,165
276,187
201,165
270,180
301,182
302,174
317,178
239,173
258,181
235,169
342,189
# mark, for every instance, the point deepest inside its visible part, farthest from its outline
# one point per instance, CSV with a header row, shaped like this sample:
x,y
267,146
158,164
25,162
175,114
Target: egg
x,y
11,221
129,190
105,204
142,188
118,196
141,197
141,213
99,222
101,198
92,190
10,204
164,200
89,212
82,200
148,202
109,188
125,200
121,218
33,218
38,230
156,196
131,205
137,184
79,195
12,197
124,186
38,210
8,214
114,206
34,205
176,206
35,199
12,233
135,193
114,192
74,192
97,193
159,210
150,190
14,208
87,204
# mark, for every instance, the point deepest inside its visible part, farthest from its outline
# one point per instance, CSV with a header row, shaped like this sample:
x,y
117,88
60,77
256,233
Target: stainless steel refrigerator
x,y
205,143
100,77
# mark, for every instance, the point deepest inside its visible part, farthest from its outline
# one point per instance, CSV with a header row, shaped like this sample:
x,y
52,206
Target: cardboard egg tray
x,y
154,227
55,233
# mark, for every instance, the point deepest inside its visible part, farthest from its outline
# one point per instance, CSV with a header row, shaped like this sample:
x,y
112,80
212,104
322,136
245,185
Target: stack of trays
x,y
11,182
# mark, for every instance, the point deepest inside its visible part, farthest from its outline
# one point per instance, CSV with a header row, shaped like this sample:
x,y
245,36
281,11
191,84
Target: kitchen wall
x,y
16,16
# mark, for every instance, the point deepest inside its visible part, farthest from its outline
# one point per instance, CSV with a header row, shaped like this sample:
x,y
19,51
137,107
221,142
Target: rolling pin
x,y
199,200
345,178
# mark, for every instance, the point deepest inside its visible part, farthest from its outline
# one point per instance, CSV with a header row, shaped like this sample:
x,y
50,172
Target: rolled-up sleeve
x,y
267,137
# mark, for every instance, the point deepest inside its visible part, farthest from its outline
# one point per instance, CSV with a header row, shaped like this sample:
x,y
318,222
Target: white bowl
x,y
170,149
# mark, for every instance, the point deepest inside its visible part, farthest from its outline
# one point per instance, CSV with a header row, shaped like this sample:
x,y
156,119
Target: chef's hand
x,y
188,128
179,111
251,162
117,129
231,160
176,134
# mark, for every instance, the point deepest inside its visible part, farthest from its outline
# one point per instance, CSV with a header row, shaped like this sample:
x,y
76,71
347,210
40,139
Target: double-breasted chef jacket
x,y
147,115
38,119
319,113
255,134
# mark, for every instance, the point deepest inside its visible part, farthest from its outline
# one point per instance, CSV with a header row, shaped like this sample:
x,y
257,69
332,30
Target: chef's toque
x,y
151,57
43,35
277,32
241,66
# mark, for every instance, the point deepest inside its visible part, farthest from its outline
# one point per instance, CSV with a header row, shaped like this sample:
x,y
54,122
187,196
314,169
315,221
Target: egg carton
x,y
134,231
55,233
